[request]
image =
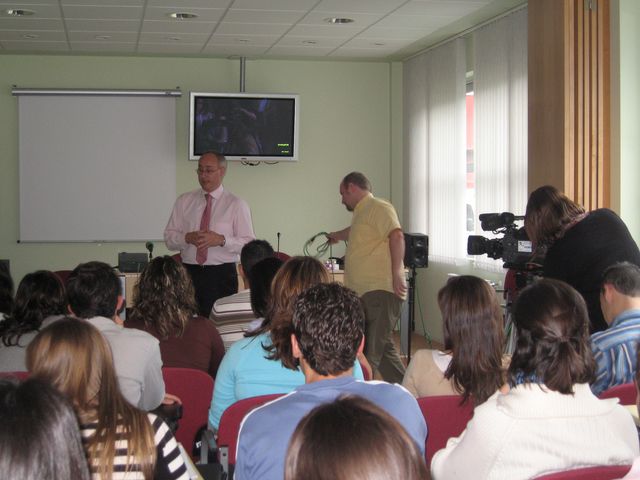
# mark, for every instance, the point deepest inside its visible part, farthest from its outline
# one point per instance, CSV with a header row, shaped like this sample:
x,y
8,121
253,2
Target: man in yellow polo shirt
x,y
374,269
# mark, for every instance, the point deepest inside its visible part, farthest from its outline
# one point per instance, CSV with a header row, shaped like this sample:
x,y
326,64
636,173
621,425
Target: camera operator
x,y
579,245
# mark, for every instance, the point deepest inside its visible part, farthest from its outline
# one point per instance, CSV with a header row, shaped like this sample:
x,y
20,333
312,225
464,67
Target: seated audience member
x,y
261,276
75,358
40,301
352,438
39,438
6,291
164,305
252,366
328,332
233,314
93,293
471,364
615,349
549,420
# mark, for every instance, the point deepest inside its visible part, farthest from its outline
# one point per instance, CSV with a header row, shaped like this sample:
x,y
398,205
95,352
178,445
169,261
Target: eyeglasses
x,y
206,171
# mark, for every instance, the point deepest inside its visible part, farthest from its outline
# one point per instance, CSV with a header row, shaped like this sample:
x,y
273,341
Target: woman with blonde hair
x,y
471,364
120,440
262,362
165,307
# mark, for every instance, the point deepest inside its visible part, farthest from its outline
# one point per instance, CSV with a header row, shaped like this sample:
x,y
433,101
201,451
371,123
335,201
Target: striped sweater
x,y
169,462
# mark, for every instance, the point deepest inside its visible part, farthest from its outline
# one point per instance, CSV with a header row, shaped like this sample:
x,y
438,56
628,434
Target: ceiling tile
x,y
177,27
361,19
103,25
36,46
326,30
199,38
123,3
254,40
115,47
317,42
374,44
28,24
120,37
359,6
439,9
43,36
189,4
239,50
399,33
252,28
412,21
302,51
40,11
166,48
23,3
204,14
103,13
359,53
261,16
291,5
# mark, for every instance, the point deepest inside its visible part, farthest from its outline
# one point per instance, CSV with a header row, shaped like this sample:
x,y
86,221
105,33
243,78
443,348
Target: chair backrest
x,y
626,393
63,275
282,256
195,389
445,418
600,472
231,419
19,375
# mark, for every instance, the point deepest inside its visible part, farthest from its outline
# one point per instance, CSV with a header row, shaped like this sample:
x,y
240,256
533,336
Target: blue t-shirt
x,y
245,372
266,431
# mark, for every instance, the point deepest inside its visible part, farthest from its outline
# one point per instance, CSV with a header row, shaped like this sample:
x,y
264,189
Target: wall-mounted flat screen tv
x,y
244,126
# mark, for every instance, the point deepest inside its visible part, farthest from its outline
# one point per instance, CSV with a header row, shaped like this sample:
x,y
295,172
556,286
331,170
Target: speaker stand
x,y
411,297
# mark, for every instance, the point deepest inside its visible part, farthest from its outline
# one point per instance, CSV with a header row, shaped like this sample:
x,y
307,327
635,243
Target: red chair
x,y
445,418
19,375
63,275
230,428
600,472
626,393
177,257
195,389
282,256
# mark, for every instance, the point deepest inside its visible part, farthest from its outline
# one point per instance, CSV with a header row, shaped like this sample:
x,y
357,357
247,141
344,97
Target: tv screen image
x,y
251,127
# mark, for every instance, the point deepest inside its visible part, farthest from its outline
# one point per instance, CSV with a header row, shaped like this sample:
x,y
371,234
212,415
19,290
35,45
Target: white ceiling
x,y
382,29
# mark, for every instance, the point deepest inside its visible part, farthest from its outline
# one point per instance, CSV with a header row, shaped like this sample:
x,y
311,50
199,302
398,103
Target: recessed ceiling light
x,y
378,44
18,12
174,39
103,37
242,40
339,20
183,15
309,42
30,36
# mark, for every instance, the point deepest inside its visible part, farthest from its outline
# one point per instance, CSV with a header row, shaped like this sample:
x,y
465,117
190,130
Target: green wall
x,y
345,125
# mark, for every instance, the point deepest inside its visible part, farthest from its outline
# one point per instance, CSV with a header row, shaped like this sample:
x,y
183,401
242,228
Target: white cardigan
x,y
530,431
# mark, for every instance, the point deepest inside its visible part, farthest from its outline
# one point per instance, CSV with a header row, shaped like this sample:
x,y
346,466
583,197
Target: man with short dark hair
x,y
328,326
94,294
209,226
232,314
374,268
616,348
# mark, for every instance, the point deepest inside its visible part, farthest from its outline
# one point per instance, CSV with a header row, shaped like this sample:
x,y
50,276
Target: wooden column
x,y
569,111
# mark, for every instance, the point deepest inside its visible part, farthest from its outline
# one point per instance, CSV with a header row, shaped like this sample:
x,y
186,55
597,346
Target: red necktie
x,y
201,254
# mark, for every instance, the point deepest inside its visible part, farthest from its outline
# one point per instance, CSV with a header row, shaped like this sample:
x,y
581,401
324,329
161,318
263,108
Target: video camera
x,y
514,247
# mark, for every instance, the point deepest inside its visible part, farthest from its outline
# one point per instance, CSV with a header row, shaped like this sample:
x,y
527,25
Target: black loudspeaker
x,y
416,250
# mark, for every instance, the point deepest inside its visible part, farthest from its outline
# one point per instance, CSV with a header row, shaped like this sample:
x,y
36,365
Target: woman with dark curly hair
x,y
164,305
549,420
579,245
472,362
40,301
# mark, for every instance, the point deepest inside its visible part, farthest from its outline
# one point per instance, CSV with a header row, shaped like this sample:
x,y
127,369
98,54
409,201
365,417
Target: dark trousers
x,y
212,282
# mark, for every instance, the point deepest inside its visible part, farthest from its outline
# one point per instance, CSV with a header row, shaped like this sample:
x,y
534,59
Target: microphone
x,y
278,242
149,246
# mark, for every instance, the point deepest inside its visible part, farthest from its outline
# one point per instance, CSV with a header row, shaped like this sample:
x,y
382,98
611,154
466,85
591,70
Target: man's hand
x,y
400,284
331,238
335,237
204,239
